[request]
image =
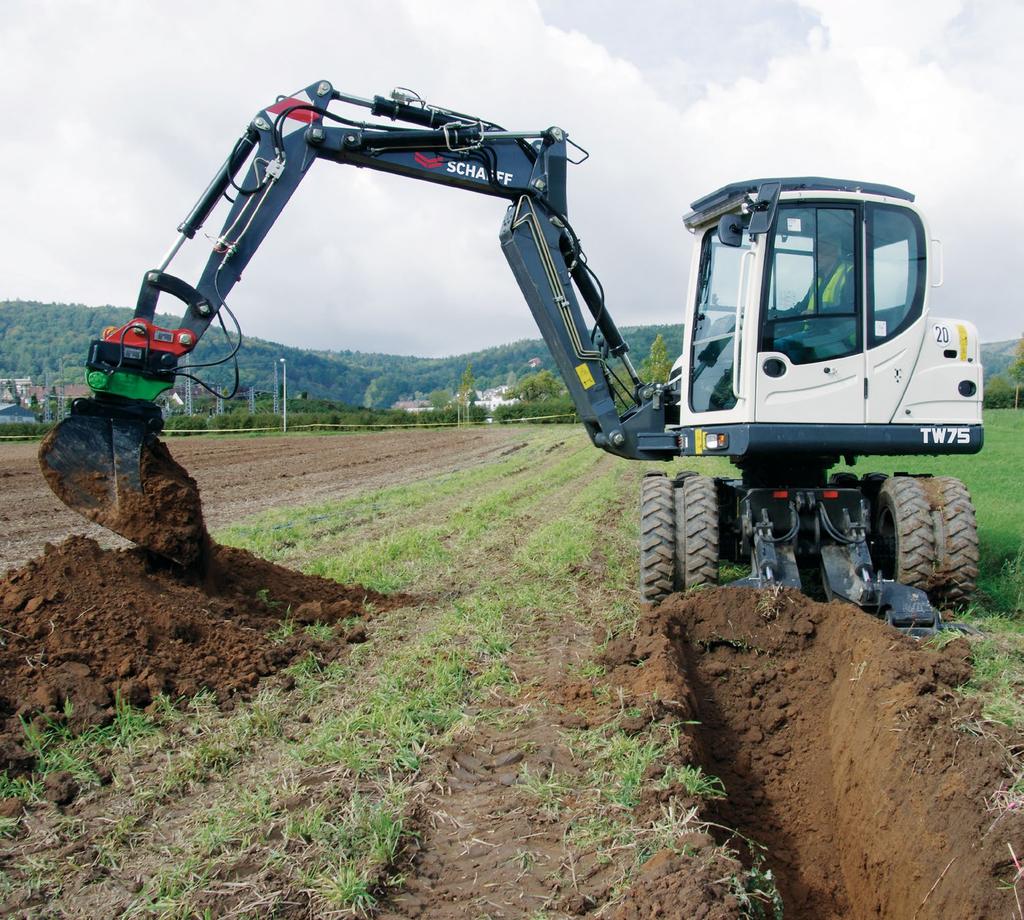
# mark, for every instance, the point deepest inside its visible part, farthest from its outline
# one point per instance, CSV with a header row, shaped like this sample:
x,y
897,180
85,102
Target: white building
x,y
494,397
412,405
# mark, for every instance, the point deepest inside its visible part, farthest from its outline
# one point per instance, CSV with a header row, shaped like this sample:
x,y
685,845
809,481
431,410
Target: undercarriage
x,y
900,547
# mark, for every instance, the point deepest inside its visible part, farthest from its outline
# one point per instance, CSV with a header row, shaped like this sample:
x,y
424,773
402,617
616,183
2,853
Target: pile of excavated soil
x,y
83,624
845,751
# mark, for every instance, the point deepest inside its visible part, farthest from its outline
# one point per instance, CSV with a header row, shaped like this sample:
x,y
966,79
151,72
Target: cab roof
x,y
728,197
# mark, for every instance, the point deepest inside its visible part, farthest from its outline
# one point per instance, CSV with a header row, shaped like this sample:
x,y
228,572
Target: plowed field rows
x,y
415,680
240,476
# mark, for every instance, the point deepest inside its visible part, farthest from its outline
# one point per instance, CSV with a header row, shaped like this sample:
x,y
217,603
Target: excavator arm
x,y
93,459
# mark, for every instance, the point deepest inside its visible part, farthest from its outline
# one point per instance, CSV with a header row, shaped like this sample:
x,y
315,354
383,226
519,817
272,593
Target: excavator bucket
x,y
116,473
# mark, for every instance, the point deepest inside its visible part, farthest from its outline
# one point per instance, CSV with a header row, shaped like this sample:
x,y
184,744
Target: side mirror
x,y
730,230
763,211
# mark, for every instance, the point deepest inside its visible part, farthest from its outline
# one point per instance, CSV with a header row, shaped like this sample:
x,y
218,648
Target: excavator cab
x,y
809,340
821,318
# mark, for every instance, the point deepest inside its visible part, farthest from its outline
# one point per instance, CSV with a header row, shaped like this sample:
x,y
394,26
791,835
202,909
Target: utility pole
x,y
252,400
284,371
60,391
277,392
186,362
47,408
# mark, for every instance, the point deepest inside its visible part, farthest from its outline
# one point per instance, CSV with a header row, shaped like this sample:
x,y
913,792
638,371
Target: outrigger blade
x,y
106,463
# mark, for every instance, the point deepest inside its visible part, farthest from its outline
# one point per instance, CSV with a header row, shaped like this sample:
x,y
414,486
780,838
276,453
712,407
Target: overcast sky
x,y
116,113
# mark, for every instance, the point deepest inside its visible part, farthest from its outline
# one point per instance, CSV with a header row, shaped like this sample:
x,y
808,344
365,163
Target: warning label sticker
x,y
586,378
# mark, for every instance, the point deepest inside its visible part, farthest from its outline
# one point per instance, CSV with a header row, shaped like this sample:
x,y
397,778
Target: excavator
x,y
784,369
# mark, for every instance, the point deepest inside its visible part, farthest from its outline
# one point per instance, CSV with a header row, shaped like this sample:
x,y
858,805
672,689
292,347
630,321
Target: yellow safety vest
x,y
835,287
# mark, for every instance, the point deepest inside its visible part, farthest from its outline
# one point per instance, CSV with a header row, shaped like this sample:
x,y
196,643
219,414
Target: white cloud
x,y
117,114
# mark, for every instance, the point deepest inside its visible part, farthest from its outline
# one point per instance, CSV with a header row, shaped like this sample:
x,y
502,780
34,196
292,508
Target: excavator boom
x,y
96,460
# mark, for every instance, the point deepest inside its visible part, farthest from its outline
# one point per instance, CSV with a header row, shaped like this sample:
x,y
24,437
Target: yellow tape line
x,y
365,427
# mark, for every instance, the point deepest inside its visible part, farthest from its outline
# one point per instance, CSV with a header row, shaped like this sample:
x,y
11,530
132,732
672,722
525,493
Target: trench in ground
x,y
842,749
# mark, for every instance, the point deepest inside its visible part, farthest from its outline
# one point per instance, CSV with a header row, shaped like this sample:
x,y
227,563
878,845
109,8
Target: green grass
x,y
498,555
56,747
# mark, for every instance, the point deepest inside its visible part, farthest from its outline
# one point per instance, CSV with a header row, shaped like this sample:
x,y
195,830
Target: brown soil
x,y
486,848
846,754
167,517
83,624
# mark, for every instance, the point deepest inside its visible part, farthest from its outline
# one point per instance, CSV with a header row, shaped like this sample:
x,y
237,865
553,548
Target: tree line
x,y
37,338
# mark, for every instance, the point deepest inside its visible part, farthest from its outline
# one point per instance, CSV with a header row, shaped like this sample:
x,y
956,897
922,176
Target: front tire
x,y
956,545
696,499
657,538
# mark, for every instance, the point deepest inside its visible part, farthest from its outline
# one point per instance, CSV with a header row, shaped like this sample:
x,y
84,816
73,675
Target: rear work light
x,y
781,493
830,493
716,441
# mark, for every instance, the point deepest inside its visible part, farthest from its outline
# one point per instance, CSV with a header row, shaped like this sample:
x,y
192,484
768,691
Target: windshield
x,y
714,325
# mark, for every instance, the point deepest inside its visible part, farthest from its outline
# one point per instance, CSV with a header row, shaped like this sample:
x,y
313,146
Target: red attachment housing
x,y
140,333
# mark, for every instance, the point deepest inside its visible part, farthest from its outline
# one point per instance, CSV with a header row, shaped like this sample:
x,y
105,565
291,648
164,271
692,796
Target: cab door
x,y
896,285
810,364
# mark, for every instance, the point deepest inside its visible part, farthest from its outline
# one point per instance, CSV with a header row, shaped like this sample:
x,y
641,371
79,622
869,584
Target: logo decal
x,y
946,435
295,119
427,161
476,171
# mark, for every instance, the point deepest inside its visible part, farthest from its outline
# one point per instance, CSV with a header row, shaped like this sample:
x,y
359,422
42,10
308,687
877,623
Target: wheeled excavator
x,y
778,373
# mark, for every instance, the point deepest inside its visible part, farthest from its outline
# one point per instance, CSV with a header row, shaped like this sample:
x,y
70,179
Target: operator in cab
x,y
822,324
834,277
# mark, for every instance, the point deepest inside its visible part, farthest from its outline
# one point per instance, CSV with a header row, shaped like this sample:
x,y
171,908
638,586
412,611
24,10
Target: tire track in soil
x,y
845,752
486,848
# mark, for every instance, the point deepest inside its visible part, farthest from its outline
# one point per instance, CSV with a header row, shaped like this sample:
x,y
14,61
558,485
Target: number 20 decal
x,y
942,335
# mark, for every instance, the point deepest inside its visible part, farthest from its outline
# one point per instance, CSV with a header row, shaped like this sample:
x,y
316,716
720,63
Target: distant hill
x,y
997,357
34,336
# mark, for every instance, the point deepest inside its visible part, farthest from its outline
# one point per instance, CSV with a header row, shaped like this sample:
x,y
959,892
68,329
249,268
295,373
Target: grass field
x,y
520,567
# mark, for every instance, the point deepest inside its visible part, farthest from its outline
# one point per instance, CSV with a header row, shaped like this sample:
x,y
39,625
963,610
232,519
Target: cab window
x,y
812,311
896,271
714,325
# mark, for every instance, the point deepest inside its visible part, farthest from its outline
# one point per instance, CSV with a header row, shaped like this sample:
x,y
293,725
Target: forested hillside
x,y
997,356
34,337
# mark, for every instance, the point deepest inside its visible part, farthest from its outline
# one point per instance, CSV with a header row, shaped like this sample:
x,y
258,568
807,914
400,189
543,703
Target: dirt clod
x,y
11,808
60,788
127,624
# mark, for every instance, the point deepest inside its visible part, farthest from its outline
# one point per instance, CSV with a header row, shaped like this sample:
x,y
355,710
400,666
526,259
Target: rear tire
x,y
696,546
956,544
905,535
657,538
